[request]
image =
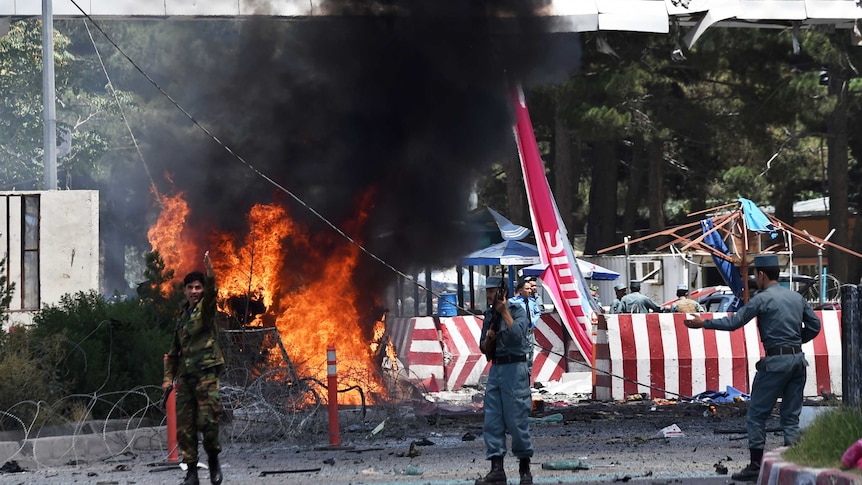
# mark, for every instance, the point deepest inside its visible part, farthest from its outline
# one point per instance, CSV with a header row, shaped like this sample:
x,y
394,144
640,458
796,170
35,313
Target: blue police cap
x,y
766,261
493,282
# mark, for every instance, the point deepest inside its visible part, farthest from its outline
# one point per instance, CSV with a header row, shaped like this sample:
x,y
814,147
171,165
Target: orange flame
x,y
309,314
167,235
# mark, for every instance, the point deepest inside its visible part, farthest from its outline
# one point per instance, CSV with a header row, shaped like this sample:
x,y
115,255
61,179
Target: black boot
x,y
497,476
215,470
524,471
192,474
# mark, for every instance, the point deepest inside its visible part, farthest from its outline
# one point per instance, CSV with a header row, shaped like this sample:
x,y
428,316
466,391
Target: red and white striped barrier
x,y
450,358
658,350
464,362
551,339
641,350
417,344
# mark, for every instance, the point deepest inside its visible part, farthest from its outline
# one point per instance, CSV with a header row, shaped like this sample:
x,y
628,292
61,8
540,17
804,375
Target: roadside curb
x,y
776,471
55,449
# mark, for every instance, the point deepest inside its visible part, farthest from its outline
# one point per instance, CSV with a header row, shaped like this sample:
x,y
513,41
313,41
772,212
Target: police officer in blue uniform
x,y
636,302
785,321
620,291
508,402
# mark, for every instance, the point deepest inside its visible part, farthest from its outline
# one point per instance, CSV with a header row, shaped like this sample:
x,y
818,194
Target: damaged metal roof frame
x,y
693,17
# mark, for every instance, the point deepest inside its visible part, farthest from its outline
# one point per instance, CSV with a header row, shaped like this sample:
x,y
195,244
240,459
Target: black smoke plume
x,y
412,105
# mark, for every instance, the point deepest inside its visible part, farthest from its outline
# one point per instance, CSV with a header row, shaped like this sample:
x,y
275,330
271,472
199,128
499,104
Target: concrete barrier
x,y
656,355
653,354
65,448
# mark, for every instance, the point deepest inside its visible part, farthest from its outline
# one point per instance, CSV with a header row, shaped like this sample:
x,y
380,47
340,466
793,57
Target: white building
x,y
51,243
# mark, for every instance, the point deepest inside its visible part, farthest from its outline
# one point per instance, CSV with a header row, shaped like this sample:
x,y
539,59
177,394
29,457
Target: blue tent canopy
x,y
589,270
506,253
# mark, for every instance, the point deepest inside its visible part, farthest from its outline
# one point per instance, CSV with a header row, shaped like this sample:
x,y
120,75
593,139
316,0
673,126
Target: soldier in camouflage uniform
x,y
194,362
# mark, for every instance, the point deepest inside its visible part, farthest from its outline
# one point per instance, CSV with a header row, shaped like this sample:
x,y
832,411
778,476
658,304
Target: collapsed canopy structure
x,y
733,235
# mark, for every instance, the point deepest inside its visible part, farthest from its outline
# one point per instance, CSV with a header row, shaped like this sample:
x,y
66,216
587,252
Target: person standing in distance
x,y
636,302
785,321
194,362
620,291
685,304
508,399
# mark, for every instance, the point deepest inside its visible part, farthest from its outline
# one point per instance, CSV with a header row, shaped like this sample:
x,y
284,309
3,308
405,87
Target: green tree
x,y
78,109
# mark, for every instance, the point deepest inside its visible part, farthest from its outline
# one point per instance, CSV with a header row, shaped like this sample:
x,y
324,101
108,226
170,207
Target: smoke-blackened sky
x,y
412,107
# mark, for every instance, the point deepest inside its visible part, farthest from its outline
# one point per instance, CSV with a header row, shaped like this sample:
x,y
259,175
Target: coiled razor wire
x,y
262,400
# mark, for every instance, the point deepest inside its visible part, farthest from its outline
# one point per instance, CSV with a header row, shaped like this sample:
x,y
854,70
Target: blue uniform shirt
x,y
784,318
636,302
514,341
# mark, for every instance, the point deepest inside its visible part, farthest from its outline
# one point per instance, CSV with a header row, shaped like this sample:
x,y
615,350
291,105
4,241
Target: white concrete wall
x,y
68,245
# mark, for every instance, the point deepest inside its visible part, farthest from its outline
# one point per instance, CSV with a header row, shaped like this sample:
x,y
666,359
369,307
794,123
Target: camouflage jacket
x,y
195,345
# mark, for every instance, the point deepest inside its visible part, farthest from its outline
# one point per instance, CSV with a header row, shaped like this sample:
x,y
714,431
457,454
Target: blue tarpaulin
x,y
732,394
755,219
729,272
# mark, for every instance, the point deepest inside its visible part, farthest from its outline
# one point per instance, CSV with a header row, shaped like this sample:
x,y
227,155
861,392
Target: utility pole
x,y
49,110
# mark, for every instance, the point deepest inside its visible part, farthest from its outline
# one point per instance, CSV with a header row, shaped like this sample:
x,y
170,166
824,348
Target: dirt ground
x,y
611,442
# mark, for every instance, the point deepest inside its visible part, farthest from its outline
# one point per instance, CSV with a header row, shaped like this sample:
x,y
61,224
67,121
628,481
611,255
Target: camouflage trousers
x,y
198,411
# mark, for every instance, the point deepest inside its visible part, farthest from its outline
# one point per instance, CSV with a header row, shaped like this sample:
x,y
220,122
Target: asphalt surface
x,y
612,443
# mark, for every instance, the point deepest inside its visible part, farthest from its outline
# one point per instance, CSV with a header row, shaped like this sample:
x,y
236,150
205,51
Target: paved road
x,y
620,443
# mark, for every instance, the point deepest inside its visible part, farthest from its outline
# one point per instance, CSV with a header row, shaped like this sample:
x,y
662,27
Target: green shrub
x,y
86,355
27,370
108,347
826,439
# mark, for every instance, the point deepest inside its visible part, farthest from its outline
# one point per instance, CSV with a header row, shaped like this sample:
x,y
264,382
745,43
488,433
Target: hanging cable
x,y
242,160
123,115
280,187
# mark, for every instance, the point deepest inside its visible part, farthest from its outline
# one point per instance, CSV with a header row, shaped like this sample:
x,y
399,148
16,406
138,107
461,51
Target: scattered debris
x,y
279,472
551,418
424,442
671,431
329,461
565,465
413,452
122,468
468,436
378,428
412,470
720,468
11,466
